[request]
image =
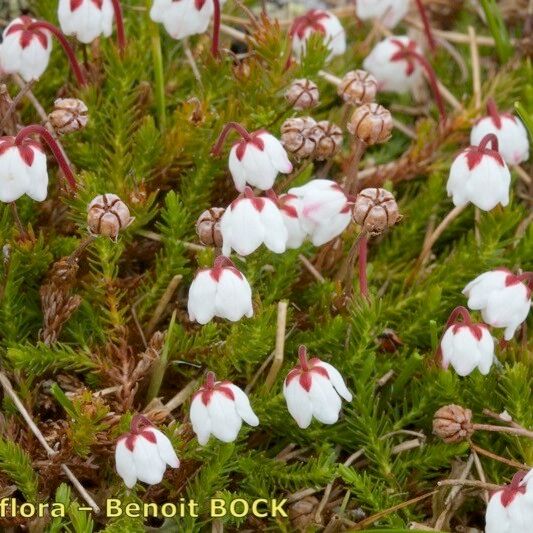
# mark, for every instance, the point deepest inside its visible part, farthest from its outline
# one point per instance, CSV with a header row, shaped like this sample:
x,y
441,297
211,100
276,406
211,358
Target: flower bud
x,y
328,138
371,123
295,136
69,115
358,87
107,214
453,423
375,210
208,227
302,94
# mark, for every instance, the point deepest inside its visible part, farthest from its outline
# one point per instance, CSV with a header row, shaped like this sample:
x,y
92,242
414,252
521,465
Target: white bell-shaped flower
x,y
465,345
22,170
510,510
479,175
393,64
25,51
389,12
218,409
251,221
144,453
503,298
512,136
257,159
220,291
184,17
325,210
291,209
314,388
86,19
319,22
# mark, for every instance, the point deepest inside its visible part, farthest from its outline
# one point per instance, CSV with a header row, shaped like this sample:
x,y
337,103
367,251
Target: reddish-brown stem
x,y
239,128
427,26
119,20
302,356
222,261
248,192
58,34
521,432
37,129
494,113
363,255
216,30
138,422
489,138
210,380
459,312
527,278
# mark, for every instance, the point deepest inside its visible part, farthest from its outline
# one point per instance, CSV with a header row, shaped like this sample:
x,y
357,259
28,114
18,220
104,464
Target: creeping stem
x,y
58,34
36,129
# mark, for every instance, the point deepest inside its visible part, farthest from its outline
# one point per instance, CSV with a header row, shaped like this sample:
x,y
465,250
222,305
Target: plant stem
x,y
14,103
469,483
239,128
427,25
54,147
157,58
119,20
17,220
58,34
216,30
521,432
358,149
362,245
497,27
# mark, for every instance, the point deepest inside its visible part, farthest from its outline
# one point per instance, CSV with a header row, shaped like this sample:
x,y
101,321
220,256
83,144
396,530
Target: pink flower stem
x,y
492,110
138,422
432,81
58,34
222,261
459,312
302,356
210,380
489,138
216,30
119,19
427,26
37,129
239,128
362,245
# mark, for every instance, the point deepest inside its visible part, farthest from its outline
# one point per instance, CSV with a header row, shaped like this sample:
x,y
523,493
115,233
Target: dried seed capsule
x,y
69,115
302,94
371,123
295,136
453,423
328,138
375,210
358,87
107,214
208,227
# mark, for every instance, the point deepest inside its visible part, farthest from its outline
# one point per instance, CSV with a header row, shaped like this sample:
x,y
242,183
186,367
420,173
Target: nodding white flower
x,y
314,388
144,453
25,51
466,345
218,409
319,22
182,18
86,19
479,175
503,298
393,64
291,208
325,210
510,509
257,160
512,136
251,221
22,170
220,291
390,12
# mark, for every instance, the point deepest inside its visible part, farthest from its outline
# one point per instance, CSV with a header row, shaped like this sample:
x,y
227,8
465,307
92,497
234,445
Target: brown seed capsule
x,y
371,123
107,214
328,138
69,114
208,227
302,513
302,94
453,423
358,87
375,210
295,136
